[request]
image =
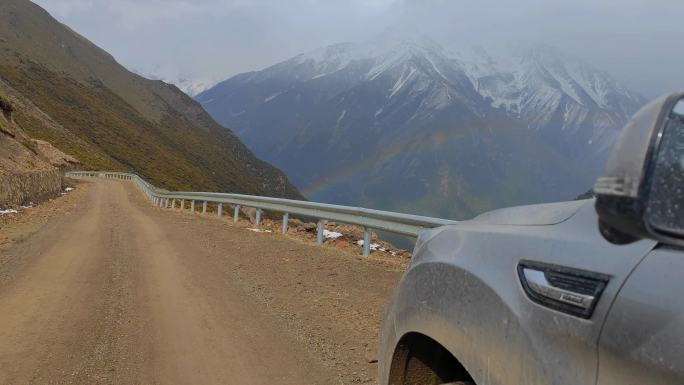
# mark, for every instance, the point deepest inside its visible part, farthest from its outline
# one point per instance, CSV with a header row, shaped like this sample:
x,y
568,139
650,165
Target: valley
x,y
409,125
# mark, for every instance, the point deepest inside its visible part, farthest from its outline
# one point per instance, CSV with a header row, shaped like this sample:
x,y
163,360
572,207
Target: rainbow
x,y
405,147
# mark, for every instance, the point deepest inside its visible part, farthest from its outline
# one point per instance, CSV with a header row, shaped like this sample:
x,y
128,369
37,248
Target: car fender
x,y
443,301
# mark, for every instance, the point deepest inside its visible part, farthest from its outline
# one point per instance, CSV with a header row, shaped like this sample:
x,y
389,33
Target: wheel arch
x,y
455,307
420,359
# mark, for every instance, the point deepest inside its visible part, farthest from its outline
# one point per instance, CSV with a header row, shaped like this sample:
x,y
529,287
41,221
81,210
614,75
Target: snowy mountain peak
x,y
188,84
408,112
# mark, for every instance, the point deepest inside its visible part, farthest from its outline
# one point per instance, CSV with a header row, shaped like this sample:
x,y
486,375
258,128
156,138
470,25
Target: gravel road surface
x,y
115,291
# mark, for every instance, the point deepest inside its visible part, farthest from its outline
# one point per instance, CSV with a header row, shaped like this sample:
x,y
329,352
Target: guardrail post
x,y
219,210
258,217
182,205
286,218
192,206
320,230
204,207
173,204
236,213
366,241
166,204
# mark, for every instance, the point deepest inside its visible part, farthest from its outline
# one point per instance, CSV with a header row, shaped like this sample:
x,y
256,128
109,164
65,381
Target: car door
x,y
643,339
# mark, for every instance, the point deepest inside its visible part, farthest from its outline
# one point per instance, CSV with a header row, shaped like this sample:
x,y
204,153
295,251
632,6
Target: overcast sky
x,y
640,42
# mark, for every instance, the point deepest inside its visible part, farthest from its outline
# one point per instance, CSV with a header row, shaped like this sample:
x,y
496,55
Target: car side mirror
x,y
641,194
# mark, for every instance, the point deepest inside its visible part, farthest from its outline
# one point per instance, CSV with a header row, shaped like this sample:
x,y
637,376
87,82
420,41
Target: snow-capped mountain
x,y
188,84
553,92
411,125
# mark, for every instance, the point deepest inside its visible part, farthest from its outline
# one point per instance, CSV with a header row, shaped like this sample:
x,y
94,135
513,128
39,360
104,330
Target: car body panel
x,y
643,338
531,215
462,290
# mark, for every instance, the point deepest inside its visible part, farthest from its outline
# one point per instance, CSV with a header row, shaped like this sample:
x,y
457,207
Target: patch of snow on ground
x,y
331,234
339,120
401,82
259,230
373,246
8,211
435,68
69,189
268,99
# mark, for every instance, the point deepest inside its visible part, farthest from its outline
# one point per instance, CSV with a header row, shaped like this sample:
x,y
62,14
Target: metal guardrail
x,y
403,224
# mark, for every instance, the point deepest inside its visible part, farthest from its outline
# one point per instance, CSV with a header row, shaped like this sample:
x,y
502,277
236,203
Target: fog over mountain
x,y
407,124
201,40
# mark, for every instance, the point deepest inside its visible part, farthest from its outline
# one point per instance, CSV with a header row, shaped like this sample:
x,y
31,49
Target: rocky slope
x,y
409,125
110,118
30,170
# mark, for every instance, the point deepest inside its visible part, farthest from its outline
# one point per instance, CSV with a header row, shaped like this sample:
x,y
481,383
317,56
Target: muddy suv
x,y
583,292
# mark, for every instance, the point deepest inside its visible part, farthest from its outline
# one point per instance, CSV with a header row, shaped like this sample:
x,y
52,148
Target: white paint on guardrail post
x,y
204,207
320,231
366,241
286,219
258,217
236,213
219,210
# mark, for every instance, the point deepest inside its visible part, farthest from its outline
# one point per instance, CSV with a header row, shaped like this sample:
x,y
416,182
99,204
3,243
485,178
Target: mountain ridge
x,y
128,122
402,104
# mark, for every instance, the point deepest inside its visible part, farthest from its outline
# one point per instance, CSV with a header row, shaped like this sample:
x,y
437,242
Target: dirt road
x,y
118,291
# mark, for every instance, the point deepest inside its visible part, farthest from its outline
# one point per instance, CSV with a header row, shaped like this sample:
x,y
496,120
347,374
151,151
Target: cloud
x,y
636,40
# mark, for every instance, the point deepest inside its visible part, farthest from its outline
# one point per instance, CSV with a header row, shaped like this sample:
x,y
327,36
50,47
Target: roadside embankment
x,y
30,170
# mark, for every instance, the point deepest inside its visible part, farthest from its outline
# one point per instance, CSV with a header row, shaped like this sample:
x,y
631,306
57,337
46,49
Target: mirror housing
x,y
643,177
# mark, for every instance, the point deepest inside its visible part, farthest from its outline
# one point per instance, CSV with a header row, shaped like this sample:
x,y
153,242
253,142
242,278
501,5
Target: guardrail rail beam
x,y
368,219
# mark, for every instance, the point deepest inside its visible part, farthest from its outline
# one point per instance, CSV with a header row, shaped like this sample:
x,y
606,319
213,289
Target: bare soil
x,y
100,287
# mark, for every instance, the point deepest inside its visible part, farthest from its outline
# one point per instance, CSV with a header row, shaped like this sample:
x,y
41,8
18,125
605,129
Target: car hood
x,y
532,215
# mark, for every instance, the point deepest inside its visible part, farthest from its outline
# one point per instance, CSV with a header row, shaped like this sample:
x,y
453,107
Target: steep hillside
x,y
110,118
408,125
30,170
